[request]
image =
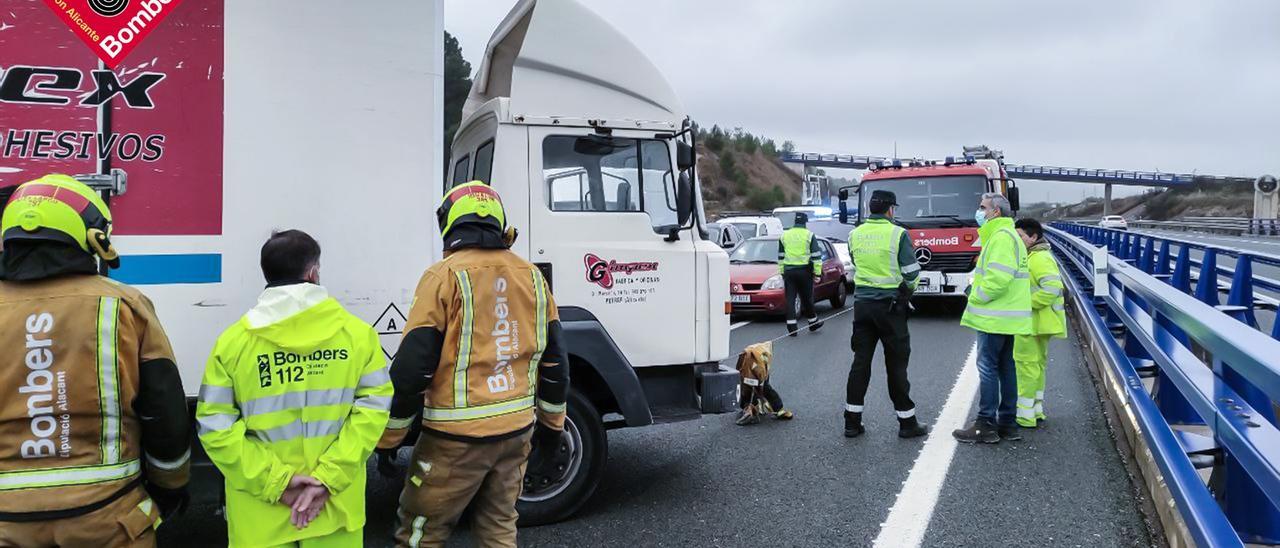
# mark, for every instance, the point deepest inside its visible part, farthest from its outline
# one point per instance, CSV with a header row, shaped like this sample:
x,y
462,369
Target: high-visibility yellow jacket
x,y
797,248
83,360
297,386
1000,297
1049,313
883,256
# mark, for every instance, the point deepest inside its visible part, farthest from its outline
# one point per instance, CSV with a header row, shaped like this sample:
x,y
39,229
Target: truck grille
x,y
952,263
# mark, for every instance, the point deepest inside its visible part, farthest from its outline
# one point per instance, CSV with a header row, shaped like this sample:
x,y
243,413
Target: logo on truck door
x,y
601,272
112,28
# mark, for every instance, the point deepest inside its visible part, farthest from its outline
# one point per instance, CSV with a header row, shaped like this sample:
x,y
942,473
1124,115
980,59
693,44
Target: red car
x,y
756,287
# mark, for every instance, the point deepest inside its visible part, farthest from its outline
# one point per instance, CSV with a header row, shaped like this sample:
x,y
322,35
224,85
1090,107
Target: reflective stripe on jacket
x,y
297,386
1049,313
1000,297
84,359
798,247
480,351
876,247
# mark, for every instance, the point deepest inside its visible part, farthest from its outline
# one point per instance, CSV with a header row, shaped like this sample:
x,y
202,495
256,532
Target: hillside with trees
x,y
741,171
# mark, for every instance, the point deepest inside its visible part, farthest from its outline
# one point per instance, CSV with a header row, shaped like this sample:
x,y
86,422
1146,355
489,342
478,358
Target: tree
x,y
457,85
788,147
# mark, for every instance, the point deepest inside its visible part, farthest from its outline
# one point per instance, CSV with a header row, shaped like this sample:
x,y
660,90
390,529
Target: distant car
x,y
755,286
1114,221
787,214
725,235
754,227
838,234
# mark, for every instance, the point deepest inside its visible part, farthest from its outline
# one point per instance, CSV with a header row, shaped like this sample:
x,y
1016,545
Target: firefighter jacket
x,y
1049,313
481,351
755,363
1000,298
297,386
797,247
84,361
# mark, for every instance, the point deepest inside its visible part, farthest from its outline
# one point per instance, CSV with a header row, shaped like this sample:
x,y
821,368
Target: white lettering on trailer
x,y
40,386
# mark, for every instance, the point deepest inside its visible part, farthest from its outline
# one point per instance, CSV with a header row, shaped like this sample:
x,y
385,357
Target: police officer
x,y
94,429
799,263
885,274
482,361
294,398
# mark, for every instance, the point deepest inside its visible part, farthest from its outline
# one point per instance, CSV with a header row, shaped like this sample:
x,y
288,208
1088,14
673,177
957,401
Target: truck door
x,y
600,211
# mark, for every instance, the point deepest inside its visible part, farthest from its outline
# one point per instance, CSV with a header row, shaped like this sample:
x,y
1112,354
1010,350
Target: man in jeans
x,y
999,308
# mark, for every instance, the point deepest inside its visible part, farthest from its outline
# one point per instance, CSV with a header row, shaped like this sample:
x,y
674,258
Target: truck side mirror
x,y
684,199
684,156
1013,198
844,194
844,209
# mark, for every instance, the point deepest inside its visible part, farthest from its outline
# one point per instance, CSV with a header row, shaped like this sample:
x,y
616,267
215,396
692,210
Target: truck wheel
x,y
589,447
841,295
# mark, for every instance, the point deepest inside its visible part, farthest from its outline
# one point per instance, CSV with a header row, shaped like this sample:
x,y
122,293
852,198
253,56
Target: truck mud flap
x,y
718,389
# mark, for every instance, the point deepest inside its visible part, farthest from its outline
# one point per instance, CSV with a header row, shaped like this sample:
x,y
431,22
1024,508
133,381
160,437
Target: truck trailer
x,y
234,118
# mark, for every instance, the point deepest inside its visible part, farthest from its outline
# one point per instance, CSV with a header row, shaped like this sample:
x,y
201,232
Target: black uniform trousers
x,y
883,321
798,280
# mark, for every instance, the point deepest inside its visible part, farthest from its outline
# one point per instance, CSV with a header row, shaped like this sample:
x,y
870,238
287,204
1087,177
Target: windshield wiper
x,y
956,217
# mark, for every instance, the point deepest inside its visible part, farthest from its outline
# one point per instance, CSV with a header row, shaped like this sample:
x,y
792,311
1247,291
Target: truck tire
x,y
589,448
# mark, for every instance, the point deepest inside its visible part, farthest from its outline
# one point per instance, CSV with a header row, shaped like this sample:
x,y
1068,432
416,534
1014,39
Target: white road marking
x,y
737,325
909,518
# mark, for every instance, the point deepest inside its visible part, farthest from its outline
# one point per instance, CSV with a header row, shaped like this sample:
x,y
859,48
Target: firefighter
x,y
295,396
885,275
94,431
1048,320
999,308
800,264
483,362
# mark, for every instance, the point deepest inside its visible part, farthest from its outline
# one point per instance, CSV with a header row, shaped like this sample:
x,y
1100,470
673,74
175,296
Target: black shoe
x,y
981,431
791,330
1010,432
853,424
814,325
911,428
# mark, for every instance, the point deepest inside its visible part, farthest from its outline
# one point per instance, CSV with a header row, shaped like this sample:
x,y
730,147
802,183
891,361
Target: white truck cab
x,y
592,154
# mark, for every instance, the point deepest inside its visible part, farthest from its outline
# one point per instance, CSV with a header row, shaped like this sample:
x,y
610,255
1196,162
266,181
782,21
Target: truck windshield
x,y
951,197
756,251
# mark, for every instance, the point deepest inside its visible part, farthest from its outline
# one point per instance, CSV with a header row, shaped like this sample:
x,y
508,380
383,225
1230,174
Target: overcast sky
x,y
1174,85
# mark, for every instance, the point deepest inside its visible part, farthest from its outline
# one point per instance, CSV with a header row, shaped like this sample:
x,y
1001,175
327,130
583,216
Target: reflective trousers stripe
x,y
416,538
109,378
56,477
1026,413
440,414
1025,402
998,313
906,414
464,341
540,321
852,408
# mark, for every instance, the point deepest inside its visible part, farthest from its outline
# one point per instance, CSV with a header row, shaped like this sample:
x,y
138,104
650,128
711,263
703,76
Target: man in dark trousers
x,y
885,276
799,264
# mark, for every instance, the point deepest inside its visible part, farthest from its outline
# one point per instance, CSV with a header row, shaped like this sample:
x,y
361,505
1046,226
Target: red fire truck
x,y
936,202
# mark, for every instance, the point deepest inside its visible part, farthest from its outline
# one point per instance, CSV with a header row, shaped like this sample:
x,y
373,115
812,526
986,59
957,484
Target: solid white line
x,y
737,325
909,518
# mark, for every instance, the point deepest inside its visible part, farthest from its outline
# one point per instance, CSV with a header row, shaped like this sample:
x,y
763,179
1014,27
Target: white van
x,y
754,227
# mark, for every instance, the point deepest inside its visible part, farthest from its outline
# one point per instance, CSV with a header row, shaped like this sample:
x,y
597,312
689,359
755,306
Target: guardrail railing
x,y
1239,226
1170,259
1199,385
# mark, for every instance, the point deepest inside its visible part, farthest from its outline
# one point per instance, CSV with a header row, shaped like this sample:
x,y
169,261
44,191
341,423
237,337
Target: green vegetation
x,y
743,170
457,85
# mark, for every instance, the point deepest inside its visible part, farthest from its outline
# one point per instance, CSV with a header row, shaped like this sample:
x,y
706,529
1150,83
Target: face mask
x,y
980,216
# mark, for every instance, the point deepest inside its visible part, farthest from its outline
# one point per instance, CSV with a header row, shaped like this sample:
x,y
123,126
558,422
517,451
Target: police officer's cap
x,y
801,218
884,197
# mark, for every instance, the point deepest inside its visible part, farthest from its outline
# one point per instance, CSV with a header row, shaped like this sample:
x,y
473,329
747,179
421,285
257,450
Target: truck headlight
x,y
774,282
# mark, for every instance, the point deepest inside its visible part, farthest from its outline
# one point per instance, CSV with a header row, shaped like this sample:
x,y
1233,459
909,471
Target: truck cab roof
x,y
925,171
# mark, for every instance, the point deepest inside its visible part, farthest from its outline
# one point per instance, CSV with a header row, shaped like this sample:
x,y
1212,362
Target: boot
x,y
911,428
981,431
1010,432
748,417
784,415
853,424
814,325
791,329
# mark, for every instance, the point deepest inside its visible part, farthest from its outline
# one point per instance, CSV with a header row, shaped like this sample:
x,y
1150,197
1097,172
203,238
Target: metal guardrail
x,y
1199,385
1238,226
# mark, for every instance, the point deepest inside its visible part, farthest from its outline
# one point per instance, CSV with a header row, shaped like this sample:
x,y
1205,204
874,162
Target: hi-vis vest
x,y
874,246
1049,313
71,347
1000,297
797,250
493,308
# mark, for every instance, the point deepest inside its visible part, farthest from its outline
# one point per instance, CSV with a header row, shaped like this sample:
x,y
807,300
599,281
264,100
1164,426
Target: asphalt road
x,y
801,483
